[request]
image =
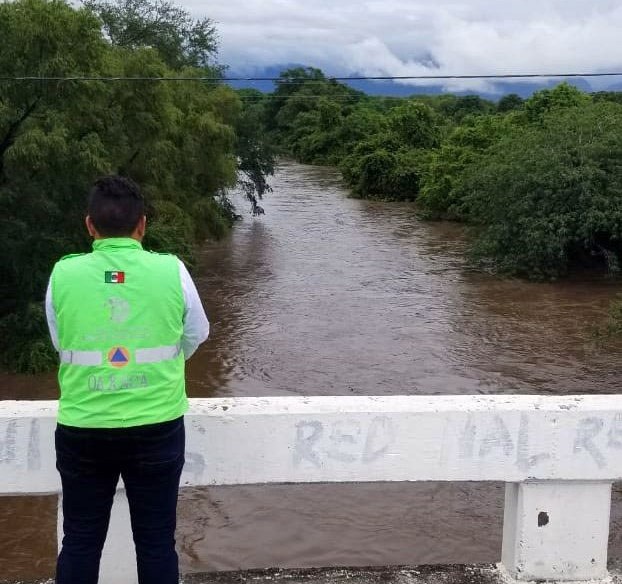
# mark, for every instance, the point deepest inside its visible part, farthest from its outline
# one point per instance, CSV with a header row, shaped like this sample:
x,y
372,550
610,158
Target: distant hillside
x,y
390,88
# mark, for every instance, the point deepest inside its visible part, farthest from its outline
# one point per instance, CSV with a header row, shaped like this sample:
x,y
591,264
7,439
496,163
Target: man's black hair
x,y
115,206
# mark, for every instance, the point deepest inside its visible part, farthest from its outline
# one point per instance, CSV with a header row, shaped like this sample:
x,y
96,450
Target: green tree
x,y
459,107
42,159
182,142
415,124
290,82
510,102
547,100
548,196
443,193
255,149
615,96
181,40
362,122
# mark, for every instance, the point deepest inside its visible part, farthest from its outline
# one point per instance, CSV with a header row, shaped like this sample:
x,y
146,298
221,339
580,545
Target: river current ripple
x,y
327,295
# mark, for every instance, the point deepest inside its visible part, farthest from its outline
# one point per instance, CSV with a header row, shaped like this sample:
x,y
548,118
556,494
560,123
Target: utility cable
x,y
213,79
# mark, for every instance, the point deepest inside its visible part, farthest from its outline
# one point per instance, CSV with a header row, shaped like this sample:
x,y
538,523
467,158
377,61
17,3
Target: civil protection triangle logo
x,y
118,356
114,277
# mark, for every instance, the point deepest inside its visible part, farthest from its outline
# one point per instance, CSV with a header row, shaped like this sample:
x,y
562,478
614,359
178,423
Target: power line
x,y
432,77
316,97
305,80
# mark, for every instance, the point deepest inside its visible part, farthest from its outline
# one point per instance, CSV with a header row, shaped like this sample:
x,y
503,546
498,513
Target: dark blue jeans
x,y
90,461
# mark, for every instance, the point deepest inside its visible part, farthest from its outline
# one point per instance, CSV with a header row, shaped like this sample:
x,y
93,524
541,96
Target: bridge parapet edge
x,y
558,456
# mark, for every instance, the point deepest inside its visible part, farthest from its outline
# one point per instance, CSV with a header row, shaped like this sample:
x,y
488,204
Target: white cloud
x,y
394,37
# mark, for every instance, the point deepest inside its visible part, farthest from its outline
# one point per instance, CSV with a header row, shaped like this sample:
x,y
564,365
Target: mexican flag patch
x,y
114,277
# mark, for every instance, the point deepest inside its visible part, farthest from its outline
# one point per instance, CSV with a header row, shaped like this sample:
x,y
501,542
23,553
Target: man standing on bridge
x,y
123,320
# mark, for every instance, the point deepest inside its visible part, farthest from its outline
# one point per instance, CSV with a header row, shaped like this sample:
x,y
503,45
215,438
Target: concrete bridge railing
x,y
557,455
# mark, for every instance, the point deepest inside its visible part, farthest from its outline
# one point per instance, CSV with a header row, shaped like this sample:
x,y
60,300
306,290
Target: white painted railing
x,y
558,456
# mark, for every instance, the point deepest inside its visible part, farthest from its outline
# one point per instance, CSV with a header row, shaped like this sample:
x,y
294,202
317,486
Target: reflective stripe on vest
x,y
151,355
81,357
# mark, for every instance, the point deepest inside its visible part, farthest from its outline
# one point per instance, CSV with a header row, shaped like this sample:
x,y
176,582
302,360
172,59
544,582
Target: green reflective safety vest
x,y
119,313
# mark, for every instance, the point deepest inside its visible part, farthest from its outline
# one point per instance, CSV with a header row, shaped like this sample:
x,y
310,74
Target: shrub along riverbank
x,y
538,181
184,143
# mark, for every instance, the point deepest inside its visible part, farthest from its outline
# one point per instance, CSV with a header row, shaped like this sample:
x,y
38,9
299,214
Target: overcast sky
x,y
406,37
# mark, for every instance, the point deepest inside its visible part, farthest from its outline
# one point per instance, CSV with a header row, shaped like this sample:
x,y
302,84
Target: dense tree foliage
x,y
180,40
548,196
538,180
443,193
509,102
184,143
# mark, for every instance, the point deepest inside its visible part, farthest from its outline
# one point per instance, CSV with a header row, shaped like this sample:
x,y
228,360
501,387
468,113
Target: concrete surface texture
x,y
557,455
451,574
511,438
448,574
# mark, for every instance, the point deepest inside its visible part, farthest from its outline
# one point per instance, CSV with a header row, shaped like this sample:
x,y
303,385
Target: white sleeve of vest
x,y
51,316
196,325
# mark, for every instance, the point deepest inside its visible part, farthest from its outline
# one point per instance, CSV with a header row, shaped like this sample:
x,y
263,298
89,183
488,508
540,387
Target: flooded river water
x,y
326,295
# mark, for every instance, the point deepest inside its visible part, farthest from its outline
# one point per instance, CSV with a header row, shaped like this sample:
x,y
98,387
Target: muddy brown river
x,y
326,295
